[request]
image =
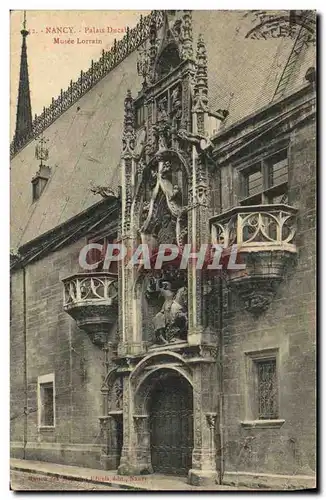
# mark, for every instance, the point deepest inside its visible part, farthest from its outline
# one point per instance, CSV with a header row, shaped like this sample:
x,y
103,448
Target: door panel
x,y
171,419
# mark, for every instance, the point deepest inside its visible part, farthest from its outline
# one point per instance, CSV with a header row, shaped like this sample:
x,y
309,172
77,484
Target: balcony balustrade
x,y
91,299
264,238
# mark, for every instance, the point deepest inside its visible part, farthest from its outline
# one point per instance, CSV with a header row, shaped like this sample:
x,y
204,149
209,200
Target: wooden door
x,y
171,426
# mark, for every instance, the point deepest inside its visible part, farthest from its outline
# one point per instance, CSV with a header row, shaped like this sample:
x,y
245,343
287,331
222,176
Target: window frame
x,y
257,366
43,380
140,113
264,196
251,389
38,185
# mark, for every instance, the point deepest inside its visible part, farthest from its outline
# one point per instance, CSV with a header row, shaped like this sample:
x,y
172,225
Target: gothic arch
x,y
168,59
153,358
163,360
147,383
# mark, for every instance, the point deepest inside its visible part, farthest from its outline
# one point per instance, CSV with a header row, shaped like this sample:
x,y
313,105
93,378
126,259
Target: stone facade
x,y
197,340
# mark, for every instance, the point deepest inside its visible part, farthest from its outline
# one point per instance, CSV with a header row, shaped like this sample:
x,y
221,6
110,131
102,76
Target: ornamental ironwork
x,y
41,151
267,389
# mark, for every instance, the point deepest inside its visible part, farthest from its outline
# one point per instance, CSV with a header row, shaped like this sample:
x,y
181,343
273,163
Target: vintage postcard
x,y
163,215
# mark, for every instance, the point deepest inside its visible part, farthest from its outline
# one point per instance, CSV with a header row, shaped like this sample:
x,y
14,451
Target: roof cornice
x,y
103,213
282,115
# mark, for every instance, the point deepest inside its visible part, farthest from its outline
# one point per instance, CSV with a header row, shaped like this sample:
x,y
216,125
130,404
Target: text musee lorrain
x,y
87,30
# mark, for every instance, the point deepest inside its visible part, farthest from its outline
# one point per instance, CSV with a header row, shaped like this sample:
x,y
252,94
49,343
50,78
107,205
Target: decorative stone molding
x,y
91,299
132,348
262,237
262,424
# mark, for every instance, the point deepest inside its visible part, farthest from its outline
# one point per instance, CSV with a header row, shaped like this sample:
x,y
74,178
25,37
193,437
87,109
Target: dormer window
x,y
41,177
40,180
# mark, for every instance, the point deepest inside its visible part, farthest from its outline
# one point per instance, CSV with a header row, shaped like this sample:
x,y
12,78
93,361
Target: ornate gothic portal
x,y
166,352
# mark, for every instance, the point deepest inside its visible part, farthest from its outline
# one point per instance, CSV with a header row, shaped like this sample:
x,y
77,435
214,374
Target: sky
x,y
52,66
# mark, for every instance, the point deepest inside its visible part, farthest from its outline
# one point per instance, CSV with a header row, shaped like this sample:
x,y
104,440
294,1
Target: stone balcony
x,y
91,299
264,238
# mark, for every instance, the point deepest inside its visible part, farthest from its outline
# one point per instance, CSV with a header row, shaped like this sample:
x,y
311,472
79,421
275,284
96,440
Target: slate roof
x,y
85,142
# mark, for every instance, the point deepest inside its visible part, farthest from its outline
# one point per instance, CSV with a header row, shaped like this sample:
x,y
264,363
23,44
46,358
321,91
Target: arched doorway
x,y
171,424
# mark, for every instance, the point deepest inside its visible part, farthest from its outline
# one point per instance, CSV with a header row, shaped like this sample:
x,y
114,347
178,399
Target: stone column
x,y
128,457
199,200
143,449
104,425
110,455
203,470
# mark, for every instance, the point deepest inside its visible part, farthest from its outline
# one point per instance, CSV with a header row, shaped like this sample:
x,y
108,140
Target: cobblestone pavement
x,y
24,481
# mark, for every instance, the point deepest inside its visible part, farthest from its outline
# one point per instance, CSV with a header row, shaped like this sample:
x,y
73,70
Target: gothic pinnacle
x,y
128,138
24,127
201,85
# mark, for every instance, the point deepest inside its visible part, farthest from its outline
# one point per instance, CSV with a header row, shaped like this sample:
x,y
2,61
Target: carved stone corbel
x,y
211,420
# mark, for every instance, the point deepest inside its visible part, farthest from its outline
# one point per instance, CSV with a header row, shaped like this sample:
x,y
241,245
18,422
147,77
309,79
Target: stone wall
x,y
289,326
54,344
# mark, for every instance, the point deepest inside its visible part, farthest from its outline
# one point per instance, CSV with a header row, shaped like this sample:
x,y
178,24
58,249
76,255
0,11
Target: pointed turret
x,y
24,110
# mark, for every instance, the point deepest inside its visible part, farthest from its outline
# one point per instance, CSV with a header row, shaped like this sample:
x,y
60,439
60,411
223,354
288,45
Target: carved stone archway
x,y
163,421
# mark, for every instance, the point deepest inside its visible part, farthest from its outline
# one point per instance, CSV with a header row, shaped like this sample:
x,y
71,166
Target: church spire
x,y
24,109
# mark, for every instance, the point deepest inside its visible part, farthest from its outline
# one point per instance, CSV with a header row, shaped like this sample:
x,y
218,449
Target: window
x,y
39,181
140,116
46,401
253,181
277,167
262,387
266,181
266,390
38,186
